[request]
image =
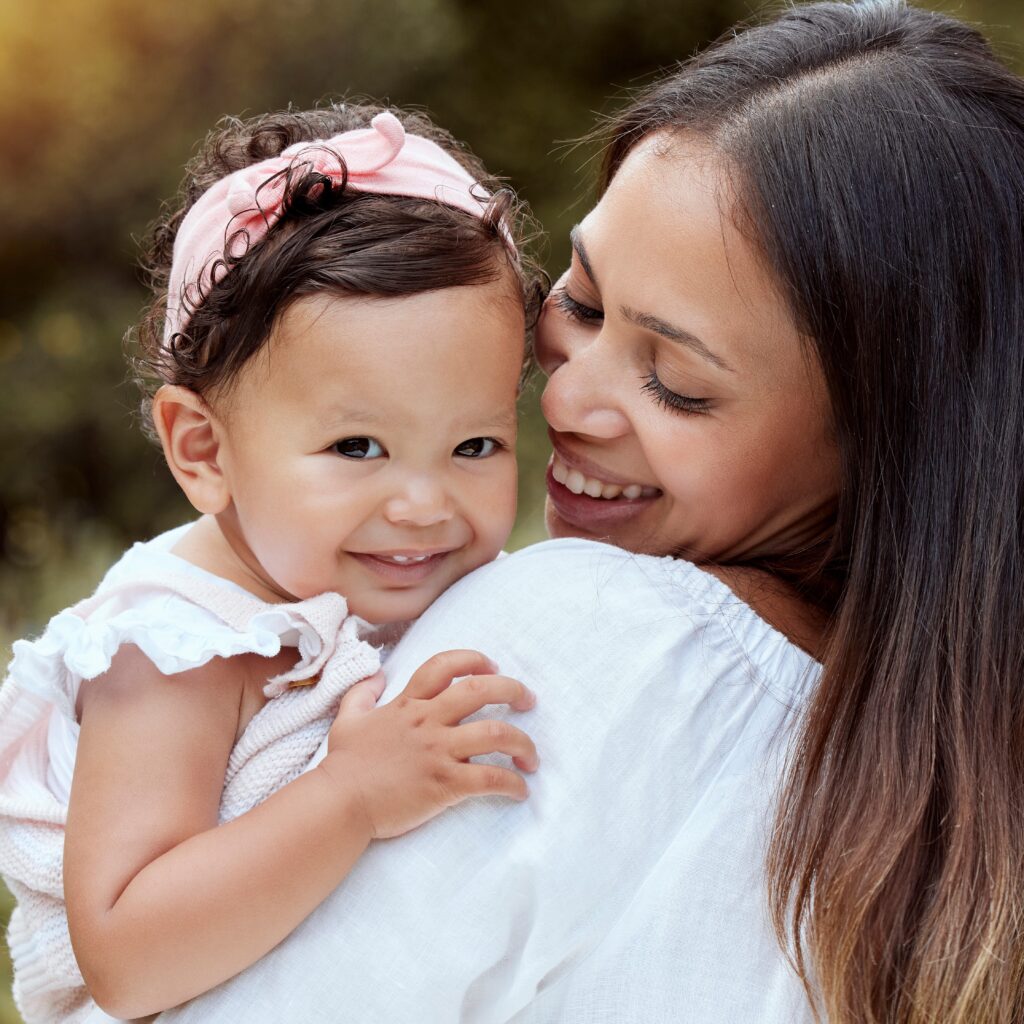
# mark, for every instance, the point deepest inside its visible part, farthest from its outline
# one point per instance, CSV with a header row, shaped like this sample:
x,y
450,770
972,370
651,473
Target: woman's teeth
x,y
575,481
403,559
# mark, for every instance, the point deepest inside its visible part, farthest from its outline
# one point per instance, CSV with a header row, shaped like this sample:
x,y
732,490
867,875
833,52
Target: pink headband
x,y
239,210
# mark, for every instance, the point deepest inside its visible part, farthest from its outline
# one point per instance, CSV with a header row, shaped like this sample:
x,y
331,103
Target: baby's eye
x,y
359,448
478,447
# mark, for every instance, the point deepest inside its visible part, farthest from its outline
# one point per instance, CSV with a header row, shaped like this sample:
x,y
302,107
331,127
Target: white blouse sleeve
x,y
629,885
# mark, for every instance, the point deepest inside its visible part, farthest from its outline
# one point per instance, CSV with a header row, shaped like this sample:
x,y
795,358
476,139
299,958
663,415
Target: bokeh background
x,y
102,102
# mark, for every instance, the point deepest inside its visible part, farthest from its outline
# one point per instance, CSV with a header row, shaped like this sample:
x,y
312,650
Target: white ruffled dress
x,y
180,617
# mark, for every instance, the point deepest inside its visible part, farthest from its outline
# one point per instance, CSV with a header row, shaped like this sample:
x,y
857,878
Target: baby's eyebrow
x,y
337,415
351,418
482,426
507,421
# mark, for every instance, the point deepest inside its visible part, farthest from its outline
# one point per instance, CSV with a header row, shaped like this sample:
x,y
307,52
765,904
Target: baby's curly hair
x,y
330,238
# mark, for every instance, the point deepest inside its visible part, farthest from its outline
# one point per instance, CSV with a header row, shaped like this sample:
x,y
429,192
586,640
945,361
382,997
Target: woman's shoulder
x,y
550,569
573,597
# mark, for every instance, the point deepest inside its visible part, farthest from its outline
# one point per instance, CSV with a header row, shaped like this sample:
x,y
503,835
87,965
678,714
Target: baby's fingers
x,y
495,737
469,695
437,672
490,780
362,696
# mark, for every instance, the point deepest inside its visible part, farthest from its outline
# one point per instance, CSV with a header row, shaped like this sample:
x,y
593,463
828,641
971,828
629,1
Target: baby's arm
x,y
162,904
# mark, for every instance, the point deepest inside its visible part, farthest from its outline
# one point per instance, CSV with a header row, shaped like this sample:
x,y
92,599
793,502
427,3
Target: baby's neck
x,y
208,546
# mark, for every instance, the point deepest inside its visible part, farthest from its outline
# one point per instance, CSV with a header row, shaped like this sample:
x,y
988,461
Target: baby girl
x,y
333,359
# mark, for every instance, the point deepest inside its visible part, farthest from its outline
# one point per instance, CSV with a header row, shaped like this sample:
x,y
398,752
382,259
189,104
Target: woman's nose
x,y
420,501
584,392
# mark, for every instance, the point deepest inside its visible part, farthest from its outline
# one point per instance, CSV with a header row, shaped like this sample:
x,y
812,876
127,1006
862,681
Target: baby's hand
x,y
409,759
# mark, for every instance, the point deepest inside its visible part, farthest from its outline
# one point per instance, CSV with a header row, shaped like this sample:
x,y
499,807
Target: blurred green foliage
x,y
101,103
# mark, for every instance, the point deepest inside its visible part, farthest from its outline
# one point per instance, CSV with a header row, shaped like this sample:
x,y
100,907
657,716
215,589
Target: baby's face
x,y
370,447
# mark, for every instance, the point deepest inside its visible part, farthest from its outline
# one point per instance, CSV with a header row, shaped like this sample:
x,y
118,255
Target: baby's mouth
x,y
402,566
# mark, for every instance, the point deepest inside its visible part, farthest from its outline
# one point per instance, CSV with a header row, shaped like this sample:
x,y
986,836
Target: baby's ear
x,y
190,435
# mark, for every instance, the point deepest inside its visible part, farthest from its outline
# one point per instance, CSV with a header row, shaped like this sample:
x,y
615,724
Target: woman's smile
x,y
588,496
587,513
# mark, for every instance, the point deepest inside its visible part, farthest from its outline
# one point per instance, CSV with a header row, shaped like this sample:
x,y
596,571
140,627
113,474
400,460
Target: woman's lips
x,y
579,482
401,567
588,512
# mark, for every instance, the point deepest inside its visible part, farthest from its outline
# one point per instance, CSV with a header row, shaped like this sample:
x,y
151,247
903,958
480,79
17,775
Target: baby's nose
x,y
421,502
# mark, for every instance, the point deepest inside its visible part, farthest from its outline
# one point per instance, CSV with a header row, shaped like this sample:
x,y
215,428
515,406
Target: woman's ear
x,y
190,436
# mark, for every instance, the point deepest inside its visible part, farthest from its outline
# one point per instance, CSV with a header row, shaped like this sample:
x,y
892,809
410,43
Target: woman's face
x,y
686,413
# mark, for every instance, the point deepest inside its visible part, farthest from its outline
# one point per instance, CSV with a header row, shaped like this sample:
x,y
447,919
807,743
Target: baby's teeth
x,y
559,470
593,488
632,491
611,491
574,481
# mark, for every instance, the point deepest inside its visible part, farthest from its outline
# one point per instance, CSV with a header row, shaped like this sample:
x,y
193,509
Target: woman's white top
x,y
630,885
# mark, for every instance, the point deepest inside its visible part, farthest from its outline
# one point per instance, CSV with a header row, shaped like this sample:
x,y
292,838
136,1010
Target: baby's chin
x,y
391,609
397,608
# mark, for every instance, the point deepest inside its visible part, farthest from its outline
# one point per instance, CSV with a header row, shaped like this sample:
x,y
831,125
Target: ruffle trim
x,y
173,634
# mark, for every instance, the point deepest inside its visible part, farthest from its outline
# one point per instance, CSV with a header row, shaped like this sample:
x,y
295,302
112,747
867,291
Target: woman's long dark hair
x,y
878,152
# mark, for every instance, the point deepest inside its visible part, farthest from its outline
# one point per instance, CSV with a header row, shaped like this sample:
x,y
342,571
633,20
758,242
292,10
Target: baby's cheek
x,y
504,514
298,567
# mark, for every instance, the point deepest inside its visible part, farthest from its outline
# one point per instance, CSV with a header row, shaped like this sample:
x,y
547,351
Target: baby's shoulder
x,y
139,609
225,690
171,631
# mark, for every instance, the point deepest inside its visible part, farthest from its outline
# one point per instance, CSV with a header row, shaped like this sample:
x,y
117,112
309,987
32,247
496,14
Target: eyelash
x,y
678,403
499,446
576,310
651,384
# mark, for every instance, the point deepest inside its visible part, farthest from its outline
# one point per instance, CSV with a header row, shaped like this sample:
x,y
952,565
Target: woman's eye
x,y
359,448
670,399
479,447
576,310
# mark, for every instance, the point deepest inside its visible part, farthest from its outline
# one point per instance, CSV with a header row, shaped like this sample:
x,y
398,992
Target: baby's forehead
x,y
450,357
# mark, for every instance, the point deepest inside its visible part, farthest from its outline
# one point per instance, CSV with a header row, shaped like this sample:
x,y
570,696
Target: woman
x,y
792,322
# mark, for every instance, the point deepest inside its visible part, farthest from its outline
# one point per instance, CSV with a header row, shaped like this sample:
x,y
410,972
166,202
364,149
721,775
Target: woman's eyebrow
x,y
581,252
647,320
673,333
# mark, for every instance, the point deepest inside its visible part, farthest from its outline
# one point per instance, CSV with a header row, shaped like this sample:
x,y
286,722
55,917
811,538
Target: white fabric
x,y
180,617
629,886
